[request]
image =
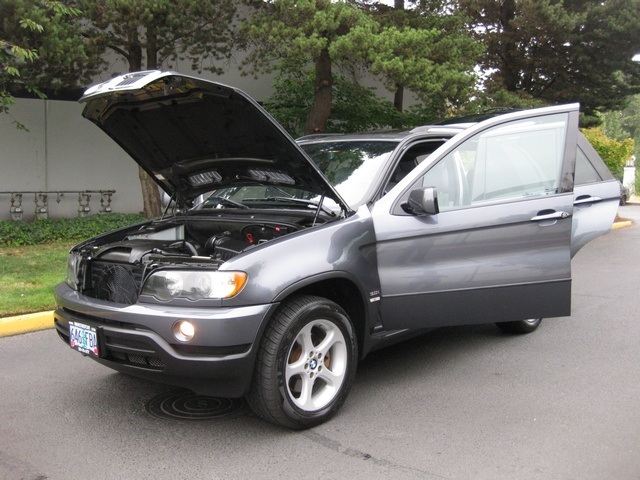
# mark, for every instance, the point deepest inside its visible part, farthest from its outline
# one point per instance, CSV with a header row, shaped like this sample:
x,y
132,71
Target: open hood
x,y
193,136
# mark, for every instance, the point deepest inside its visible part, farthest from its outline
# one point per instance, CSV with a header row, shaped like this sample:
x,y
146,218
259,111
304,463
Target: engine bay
x,y
113,267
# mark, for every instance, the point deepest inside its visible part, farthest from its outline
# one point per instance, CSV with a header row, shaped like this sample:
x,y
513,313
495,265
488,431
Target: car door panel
x,y
492,263
499,250
596,197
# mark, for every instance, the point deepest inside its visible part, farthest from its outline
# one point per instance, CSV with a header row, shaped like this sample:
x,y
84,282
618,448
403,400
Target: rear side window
x,y
585,172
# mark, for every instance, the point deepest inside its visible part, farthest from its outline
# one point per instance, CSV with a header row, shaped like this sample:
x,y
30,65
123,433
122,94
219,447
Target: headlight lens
x,y
166,285
72,270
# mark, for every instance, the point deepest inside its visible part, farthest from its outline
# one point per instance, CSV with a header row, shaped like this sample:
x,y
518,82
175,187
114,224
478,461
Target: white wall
x,y
62,151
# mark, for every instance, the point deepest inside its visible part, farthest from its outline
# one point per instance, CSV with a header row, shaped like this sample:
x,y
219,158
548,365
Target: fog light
x,y
184,331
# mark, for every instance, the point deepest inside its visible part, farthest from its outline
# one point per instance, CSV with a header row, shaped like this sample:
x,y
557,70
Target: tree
x,y
625,124
431,62
426,51
41,49
354,107
560,51
287,35
425,48
150,33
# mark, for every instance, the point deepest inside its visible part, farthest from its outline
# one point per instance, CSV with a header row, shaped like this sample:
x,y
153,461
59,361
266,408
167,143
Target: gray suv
x,y
304,257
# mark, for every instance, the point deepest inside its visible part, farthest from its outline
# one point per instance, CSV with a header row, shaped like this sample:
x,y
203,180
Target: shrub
x,y
14,234
615,153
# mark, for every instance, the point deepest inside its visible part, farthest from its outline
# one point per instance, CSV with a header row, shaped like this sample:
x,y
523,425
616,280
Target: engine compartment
x,y
216,239
114,267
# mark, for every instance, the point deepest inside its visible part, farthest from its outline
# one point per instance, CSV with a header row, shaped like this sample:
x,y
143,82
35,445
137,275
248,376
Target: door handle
x,y
549,215
583,199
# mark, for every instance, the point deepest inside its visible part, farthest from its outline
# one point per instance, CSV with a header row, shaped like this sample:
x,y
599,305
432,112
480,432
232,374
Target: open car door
x,y
498,246
596,197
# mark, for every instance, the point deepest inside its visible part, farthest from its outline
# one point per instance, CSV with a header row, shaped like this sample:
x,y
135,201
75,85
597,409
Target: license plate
x,y
83,338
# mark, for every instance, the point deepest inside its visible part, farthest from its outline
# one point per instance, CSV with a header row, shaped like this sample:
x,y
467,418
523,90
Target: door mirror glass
x,y
422,201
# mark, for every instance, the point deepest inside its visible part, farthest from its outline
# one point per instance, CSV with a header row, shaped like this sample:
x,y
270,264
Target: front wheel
x,y
305,363
520,326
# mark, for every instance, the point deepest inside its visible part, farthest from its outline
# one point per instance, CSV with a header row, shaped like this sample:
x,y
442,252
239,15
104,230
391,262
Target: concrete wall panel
x,y
82,157
62,151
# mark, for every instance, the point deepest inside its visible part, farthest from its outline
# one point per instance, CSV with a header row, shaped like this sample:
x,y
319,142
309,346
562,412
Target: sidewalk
x,y
41,321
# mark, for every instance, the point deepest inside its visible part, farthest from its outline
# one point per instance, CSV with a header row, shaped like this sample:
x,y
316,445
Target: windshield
x,y
350,166
266,196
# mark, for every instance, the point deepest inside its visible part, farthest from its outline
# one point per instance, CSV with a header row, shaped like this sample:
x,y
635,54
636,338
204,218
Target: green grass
x,y
28,275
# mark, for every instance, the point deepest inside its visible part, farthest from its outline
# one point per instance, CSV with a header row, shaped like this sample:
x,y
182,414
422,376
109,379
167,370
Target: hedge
x,y
19,233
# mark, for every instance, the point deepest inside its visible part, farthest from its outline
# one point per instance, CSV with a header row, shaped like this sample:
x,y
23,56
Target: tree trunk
x,y
150,195
152,47
510,55
323,94
151,202
135,50
398,97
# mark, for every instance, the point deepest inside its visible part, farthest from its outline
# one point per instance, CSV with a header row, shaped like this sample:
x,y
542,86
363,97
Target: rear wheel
x,y
520,326
305,364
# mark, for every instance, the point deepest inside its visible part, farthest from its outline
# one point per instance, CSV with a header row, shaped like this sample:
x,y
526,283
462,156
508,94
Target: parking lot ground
x,y
456,403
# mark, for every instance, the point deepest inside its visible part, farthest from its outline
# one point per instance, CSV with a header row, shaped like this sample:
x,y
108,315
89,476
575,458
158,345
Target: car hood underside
x,y
193,136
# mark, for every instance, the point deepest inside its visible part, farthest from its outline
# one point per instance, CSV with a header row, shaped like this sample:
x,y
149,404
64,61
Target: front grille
x,y
136,360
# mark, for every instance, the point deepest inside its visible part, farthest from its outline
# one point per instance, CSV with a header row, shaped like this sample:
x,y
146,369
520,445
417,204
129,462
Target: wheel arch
x,y
342,289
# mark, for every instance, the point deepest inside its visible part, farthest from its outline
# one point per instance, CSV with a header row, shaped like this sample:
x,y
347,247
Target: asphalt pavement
x,y
457,403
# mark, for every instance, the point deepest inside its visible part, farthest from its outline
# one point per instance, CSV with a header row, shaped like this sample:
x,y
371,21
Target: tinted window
x,y
585,173
350,166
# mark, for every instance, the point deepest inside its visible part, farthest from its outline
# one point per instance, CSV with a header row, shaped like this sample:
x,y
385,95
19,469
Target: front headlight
x,y
72,270
166,285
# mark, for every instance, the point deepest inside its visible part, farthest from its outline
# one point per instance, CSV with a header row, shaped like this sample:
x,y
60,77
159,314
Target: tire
x,y
520,326
300,390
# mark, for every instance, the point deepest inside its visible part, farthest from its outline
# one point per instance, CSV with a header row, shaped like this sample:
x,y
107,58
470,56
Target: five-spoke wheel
x,y
306,363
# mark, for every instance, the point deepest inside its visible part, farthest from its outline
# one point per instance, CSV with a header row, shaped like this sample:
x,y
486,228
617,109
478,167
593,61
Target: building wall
x,y
62,151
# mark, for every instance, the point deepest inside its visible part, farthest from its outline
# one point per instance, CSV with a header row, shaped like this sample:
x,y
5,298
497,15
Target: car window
x,y
415,155
351,166
506,162
585,172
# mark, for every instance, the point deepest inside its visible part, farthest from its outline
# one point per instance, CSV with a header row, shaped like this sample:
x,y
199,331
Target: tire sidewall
x,y
326,310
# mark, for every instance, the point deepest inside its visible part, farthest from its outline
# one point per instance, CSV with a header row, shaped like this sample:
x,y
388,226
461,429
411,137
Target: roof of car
x,y
448,127
382,135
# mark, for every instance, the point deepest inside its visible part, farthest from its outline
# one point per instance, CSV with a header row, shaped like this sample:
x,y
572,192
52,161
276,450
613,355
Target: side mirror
x,y
422,201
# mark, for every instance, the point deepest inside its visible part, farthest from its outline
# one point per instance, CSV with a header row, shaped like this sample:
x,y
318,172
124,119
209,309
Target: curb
x,y
618,225
31,322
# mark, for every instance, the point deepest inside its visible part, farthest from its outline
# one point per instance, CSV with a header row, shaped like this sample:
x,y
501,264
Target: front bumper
x,y
138,339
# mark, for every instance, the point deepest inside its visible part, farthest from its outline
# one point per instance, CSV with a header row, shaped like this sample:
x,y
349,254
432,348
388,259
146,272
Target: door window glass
x,y
511,161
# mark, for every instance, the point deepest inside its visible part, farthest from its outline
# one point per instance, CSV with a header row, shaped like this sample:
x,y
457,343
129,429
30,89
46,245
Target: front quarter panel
x,y
341,249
